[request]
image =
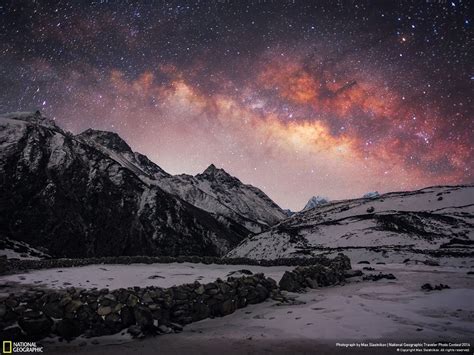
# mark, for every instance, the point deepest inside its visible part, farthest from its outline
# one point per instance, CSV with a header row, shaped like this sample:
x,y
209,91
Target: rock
x,y
428,287
3,310
128,318
68,328
132,300
147,299
11,302
213,291
64,301
72,306
200,290
110,297
53,310
289,282
363,262
311,283
430,262
227,307
113,319
379,277
368,268
164,329
176,327
200,311
12,333
134,330
352,273
104,310
36,326
371,209
143,317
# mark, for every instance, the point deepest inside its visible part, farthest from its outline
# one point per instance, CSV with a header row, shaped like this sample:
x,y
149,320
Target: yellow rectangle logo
x,y
7,347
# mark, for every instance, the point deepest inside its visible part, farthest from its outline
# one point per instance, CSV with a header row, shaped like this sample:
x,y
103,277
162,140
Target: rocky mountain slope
x,y
386,227
214,191
91,195
315,201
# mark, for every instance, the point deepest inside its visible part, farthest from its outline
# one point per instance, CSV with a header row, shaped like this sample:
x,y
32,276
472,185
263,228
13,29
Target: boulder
x,y
143,317
36,326
127,316
352,273
53,310
289,282
68,328
104,310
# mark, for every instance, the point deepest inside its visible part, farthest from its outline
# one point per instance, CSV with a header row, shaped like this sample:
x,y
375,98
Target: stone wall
x,y
312,277
38,313
71,312
318,275
16,265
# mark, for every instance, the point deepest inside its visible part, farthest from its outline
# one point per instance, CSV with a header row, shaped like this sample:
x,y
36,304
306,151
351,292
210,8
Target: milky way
x,y
298,98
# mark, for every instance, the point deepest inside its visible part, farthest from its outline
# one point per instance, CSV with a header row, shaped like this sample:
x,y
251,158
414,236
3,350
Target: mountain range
x,y
90,195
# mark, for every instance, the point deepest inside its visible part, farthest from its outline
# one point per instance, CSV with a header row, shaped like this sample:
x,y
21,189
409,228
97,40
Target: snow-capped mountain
x,y
219,193
392,225
214,191
371,194
91,195
315,201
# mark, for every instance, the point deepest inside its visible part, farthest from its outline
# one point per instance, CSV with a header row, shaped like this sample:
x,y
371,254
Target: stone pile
x,y
72,312
379,276
316,275
38,313
17,265
428,287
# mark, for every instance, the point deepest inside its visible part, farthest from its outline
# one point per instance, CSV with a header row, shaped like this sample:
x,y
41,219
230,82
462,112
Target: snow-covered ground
x,y
142,275
385,310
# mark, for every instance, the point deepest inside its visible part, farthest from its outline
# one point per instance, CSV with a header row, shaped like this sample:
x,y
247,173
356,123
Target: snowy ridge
x,y
427,219
214,191
90,195
315,201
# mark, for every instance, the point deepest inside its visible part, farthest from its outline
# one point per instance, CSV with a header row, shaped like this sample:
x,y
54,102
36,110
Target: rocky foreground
x,y
294,311
364,307
33,313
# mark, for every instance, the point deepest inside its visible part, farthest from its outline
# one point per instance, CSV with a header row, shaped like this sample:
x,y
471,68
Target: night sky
x,y
331,98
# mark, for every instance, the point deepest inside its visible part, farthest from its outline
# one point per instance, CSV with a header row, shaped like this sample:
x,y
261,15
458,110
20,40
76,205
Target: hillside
x,y
389,226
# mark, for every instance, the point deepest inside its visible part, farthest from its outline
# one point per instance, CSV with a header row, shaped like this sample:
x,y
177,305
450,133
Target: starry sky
x,y
299,98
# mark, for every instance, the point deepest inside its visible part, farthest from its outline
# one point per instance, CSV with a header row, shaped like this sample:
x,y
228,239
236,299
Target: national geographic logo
x,y
18,347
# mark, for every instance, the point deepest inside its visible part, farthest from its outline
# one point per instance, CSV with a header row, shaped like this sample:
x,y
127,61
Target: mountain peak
x,y
212,171
372,194
315,201
31,117
107,139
